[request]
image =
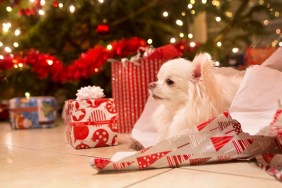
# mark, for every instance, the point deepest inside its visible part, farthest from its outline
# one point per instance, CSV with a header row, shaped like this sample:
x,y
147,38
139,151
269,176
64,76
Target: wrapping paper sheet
x,y
220,138
216,140
257,100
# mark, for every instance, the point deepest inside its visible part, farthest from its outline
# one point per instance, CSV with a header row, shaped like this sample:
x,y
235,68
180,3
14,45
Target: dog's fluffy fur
x,y
190,93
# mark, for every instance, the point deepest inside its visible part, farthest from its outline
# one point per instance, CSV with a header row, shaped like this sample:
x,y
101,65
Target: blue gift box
x,y
33,112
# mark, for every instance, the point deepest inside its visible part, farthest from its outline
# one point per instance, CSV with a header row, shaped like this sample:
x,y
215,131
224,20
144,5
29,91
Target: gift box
x,y
32,112
256,56
130,80
91,123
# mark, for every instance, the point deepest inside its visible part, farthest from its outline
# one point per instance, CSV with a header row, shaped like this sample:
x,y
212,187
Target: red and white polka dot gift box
x,y
91,123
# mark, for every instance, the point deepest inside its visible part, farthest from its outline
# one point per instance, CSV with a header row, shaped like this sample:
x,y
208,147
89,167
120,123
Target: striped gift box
x,y
91,123
130,82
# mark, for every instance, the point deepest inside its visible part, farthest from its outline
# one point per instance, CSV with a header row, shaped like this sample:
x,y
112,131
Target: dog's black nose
x,y
152,85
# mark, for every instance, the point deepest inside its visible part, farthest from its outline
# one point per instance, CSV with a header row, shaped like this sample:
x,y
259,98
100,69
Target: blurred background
x,y
55,47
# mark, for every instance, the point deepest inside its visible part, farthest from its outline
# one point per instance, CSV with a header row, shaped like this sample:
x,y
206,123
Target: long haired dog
x,y
190,93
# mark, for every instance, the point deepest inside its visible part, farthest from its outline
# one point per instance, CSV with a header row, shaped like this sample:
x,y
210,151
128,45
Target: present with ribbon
x,y
32,112
91,119
130,80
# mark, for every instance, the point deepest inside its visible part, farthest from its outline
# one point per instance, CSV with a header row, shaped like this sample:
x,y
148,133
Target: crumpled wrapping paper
x,y
220,138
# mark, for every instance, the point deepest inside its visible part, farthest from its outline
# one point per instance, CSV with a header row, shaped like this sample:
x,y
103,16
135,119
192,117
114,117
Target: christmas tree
x,y
39,39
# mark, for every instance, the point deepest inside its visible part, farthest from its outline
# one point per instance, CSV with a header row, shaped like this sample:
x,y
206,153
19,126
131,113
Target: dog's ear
x,y
200,63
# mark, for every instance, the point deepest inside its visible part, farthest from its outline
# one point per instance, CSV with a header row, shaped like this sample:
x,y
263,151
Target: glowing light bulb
x,y
190,6
183,13
41,12
217,64
16,44
265,22
16,66
72,9
218,19
101,1
96,70
61,5
190,35
9,9
219,44
6,26
1,44
192,44
276,14
27,94
181,35
204,1
42,2
50,62
261,2
109,47
165,14
235,50
280,44
8,49
149,41
192,1
179,22
228,14
278,31
1,57
20,65
17,32
193,12
172,40
216,3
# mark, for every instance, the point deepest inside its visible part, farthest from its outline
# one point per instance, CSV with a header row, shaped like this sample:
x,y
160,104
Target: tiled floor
x,y
43,158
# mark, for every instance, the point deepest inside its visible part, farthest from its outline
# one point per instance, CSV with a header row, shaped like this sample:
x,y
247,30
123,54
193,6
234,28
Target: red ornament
x,y
55,3
102,29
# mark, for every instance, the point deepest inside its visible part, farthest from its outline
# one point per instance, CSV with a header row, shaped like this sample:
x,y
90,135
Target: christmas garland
x,y
88,64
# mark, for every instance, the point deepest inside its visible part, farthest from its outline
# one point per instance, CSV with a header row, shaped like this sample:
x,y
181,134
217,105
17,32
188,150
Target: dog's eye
x,y
169,82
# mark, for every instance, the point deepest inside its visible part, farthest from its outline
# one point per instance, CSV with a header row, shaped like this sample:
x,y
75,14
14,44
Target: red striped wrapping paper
x,y
130,89
130,82
91,123
216,140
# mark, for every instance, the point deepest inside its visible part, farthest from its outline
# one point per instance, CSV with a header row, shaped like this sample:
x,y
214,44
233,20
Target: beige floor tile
x,y
33,138
104,152
243,168
32,168
178,178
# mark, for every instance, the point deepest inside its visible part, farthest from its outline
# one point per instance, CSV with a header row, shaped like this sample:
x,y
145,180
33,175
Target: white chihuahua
x,y
190,93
